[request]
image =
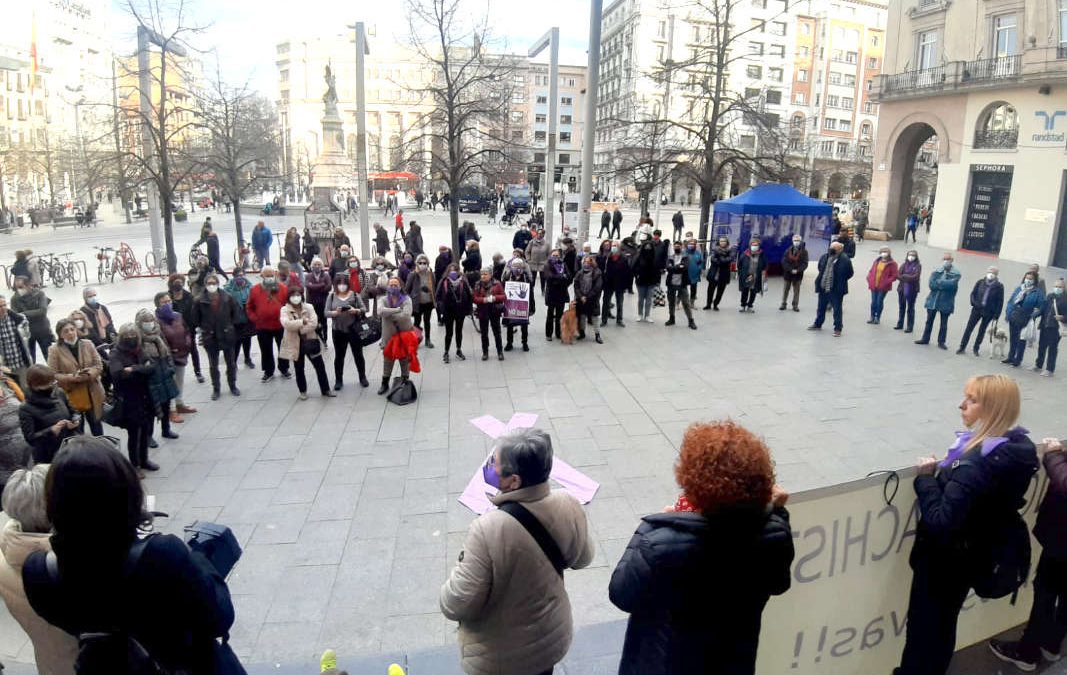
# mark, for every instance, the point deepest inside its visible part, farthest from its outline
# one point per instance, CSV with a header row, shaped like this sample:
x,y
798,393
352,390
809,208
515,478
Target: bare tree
x,y
468,96
242,144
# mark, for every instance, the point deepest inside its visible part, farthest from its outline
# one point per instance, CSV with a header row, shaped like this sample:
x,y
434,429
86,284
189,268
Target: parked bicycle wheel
x,y
58,274
74,273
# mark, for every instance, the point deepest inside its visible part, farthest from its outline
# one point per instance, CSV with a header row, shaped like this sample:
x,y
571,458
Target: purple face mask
x,y
489,473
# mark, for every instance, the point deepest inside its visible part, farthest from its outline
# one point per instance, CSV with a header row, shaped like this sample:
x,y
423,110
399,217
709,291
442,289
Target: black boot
x,y
385,385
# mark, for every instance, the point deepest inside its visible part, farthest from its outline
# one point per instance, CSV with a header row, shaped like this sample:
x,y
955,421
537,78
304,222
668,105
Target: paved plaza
x,y
347,507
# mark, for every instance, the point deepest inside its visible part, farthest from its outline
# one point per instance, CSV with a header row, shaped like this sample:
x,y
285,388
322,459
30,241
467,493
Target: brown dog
x,y
569,324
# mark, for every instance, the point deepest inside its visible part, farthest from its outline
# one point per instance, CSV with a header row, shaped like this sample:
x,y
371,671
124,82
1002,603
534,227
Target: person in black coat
x,y
751,274
130,370
696,578
214,258
1053,321
96,314
678,221
570,257
616,223
662,248
181,300
216,314
381,240
605,224
472,263
517,272
455,302
1047,626
46,416
588,286
720,259
557,293
981,482
835,269
618,277
32,303
522,237
646,276
987,301
168,598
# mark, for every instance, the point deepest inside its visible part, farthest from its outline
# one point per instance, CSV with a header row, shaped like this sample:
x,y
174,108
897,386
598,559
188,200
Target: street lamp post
x,y
550,40
362,49
592,85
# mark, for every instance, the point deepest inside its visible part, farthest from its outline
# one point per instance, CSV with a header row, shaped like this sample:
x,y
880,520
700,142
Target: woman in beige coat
x,y
78,369
300,342
395,313
26,532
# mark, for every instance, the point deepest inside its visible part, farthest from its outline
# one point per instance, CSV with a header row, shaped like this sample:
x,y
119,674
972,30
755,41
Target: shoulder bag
x,y
538,532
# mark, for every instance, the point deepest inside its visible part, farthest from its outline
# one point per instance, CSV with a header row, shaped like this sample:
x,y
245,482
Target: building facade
x,y
804,66
987,79
532,113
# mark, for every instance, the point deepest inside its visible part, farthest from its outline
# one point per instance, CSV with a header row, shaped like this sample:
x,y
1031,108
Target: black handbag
x,y
369,330
112,413
215,542
403,392
310,347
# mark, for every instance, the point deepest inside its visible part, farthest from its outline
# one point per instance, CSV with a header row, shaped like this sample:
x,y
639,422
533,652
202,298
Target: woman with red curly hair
x,y
695,579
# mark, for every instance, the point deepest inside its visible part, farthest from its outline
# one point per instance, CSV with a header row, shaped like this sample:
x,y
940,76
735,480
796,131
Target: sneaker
x,y
329,394
871,321
741,310
599,340
1052,657
328,661
234,391
1046,373
485,356
814,327
445,357
1009,652
286,375
303,396
837,333
460,356
200,378
1036,369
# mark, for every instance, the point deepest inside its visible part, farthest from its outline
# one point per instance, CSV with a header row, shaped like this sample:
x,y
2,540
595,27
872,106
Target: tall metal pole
x,y
144,84
361,142
592,85
666,112
553,124
123,197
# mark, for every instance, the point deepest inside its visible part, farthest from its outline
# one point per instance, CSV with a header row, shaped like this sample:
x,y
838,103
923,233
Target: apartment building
x,y
987,80
532,112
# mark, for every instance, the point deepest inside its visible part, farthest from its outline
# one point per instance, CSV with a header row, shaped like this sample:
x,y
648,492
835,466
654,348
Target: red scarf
x,y
353,280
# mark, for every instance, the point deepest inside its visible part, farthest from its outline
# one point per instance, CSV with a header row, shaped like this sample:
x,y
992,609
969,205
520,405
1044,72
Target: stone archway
x,y
891,187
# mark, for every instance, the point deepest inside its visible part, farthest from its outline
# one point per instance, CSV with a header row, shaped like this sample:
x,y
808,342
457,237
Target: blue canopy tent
x,y
774,212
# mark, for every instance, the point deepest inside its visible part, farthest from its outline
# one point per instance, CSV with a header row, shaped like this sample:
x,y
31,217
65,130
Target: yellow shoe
x,y
328,661
396,670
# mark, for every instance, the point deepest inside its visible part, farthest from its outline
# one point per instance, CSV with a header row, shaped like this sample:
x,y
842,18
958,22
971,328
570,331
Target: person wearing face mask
x,y
618,277
472,263
507,591
909,280
987,299
720,258
239,289
264,307
340,262
292,278
309,248
317,283
46,416
794,262
751,275
216,314
420,287
32,303
378,280
1026,305
678,285
557,292
214,258
300,343
441,262
570,256
516,272
172,329
395,313
182,301
831,285
454,304
81,324
262,240
78,370
1039,282
1053,326
345,308
381,240
522,237
588,285
414,239
489,304
695,259
944,282
405,268
880,280
130,370
161,387
100,326
536,257
646,276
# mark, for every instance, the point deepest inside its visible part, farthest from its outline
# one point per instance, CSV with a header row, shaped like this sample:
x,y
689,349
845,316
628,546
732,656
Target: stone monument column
x,y
333,172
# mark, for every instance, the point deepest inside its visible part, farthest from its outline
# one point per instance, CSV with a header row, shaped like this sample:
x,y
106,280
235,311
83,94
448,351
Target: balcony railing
x,y
1000,139
929,78
987,70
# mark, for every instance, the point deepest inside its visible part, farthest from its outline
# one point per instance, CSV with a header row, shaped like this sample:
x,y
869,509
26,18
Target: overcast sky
x,y
246,32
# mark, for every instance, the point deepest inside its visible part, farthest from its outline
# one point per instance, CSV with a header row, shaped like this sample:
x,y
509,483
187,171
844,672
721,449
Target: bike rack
x,y
85,271
7,276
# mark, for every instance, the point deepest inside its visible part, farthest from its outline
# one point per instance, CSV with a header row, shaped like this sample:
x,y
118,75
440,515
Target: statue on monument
x,y
330,97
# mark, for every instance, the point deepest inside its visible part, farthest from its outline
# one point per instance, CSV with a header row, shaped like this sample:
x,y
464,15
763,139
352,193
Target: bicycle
x,y
125,262
244,258
70,269
50,266
155,266
104,267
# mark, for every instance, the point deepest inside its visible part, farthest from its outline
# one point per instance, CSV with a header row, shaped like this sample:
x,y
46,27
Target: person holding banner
x,y
518,304
967,503
696,579
1047,627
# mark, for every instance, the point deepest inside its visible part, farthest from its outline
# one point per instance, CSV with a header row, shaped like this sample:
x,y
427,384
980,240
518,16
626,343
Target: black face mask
x,y
129,343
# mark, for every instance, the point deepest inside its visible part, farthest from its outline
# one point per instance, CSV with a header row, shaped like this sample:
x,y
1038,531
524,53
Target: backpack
x,y
999,556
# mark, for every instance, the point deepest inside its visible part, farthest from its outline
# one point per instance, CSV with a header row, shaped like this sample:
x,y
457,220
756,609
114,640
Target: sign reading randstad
x,y
1047,121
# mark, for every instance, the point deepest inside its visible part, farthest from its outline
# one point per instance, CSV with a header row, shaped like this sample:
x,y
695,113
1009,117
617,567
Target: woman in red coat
x,y
880,280
489,302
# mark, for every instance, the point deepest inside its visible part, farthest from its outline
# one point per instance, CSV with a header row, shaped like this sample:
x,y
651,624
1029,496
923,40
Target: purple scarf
x,y
988,445
557,265
166,314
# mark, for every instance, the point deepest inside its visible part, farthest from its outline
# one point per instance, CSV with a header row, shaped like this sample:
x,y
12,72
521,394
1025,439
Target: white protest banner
x,y
846,610
517,301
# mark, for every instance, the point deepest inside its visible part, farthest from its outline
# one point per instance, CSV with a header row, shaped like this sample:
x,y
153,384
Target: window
x,y
566,100
849,80
865,129
777,28
695,32
565,119
798,98
851,57
565,137
847,102
805,29
774,96
540,118
518,79
844,125
748,141
798,121
832,101
870,108
826,147
517,96
1005,34
817,97
1063,24
516,135
569,82
759,4
539,158
874,40
834,78
755,48
775,74
542,99
804,52
770,120
778,50
837,55
869,85
754,72
751,92
927,49
872,63
661,53
842,149
802,75
758,25
829,123
516,116
540,136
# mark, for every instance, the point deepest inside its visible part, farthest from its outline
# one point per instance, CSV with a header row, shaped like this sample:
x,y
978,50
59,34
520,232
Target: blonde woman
x,y
980,482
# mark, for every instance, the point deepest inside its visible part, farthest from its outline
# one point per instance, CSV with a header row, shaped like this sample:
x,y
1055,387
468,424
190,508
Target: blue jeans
x,y
877,303
1016,345
829,301
644,300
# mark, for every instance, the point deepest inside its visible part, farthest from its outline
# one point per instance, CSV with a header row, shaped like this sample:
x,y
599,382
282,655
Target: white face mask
x,y
212,288
911,258
342,288
754,249
796,243
990,276
296,300
148,326
73,341
79,324
885,255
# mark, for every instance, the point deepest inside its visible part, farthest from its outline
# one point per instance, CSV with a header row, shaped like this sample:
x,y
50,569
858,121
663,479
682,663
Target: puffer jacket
x,y
537,253
54,650
37,415
161,384
513,611
889,275
695,587
15,452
